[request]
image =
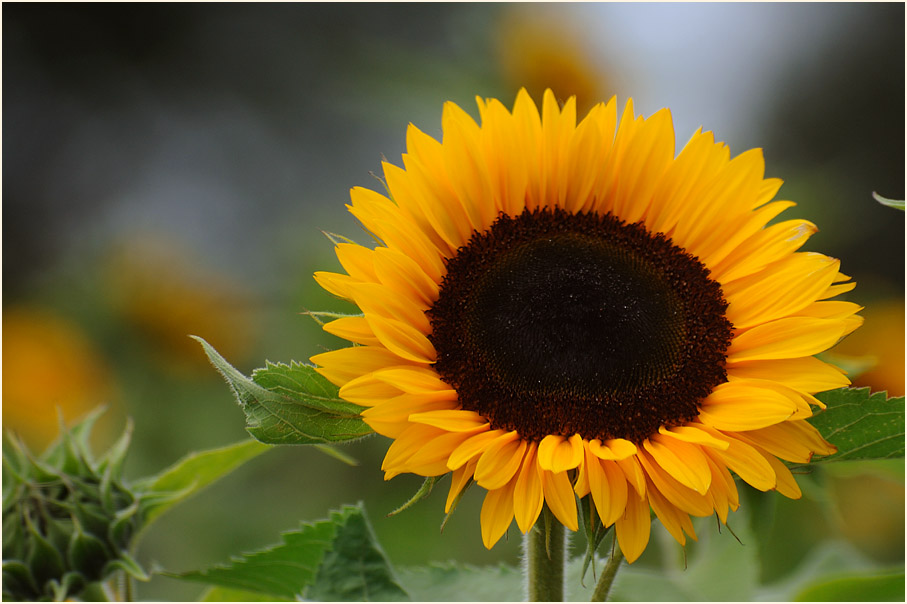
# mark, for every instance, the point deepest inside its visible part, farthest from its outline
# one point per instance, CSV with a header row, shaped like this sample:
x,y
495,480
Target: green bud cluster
x,y
69,521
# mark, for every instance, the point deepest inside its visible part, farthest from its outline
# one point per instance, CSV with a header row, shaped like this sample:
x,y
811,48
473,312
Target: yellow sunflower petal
x,y
499,463
411,440
404,275
462,162
744,405
497,514
376,300
507,168
683,461
633,527
341,366
723,495
474,447
683,181
459,478
431,458
807,374
403,340
634,474
795,441
674,520
789,286
358,261
786,485
679,495
787,338
452,420
528,496
608,487
354,329
746,462
391,417
764,247
412,379
692,434
559,496
559,454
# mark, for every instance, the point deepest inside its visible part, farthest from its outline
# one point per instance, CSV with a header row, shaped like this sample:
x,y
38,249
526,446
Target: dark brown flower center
x,y
559,323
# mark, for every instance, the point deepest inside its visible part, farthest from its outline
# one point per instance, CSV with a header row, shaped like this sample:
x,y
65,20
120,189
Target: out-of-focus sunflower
x,y
159,289
539,49
49,363
881,341
559,308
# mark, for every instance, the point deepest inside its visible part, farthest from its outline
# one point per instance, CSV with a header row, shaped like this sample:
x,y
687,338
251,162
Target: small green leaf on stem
x,y
192,473
897,204
423,492
291,404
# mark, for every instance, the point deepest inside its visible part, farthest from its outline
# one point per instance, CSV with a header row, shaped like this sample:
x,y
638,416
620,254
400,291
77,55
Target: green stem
x,y
607,577
546,557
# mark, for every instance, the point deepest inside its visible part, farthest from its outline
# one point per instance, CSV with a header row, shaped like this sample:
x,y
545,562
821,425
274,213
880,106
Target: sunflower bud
x,y
68,520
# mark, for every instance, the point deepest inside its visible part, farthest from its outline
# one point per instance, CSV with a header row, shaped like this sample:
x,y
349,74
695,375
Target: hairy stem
x,y
607,577
546,557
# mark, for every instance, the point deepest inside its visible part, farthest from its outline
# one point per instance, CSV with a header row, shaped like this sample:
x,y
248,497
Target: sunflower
x,y
558,310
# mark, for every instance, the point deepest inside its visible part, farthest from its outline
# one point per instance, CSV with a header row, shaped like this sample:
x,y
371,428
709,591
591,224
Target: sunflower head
x,y
559,309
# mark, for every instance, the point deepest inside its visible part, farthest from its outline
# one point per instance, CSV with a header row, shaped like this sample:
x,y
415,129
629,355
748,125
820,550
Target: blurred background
x,y
167,170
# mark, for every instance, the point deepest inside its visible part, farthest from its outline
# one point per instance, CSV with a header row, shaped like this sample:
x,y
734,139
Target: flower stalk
x,y
603,586
546,558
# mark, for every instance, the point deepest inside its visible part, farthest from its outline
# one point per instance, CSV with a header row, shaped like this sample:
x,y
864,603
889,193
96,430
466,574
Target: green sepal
x,y
86,553
57,530
897,204
66,454
71,583
18,580
291,404
127,564
455,503
43,559
113,459
595,533
423,492
125,525
322,316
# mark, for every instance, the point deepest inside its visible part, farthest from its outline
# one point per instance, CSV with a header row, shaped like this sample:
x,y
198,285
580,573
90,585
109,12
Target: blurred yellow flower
x,y
539,49
48,363
882,339
158,289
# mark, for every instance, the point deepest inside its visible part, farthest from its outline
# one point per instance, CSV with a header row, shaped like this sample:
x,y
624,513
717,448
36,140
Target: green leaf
x,y
452,582
336,559
897,204
862,425
193,473
291,404
866,588
355,569
283,570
